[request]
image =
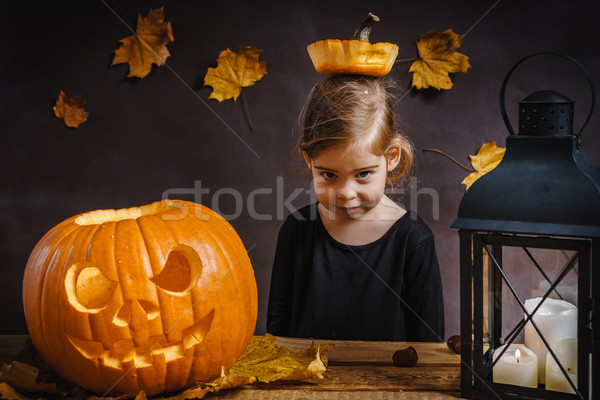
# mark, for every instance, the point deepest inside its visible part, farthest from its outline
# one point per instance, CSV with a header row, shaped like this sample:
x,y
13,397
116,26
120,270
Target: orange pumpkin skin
x,y
359,57
153,298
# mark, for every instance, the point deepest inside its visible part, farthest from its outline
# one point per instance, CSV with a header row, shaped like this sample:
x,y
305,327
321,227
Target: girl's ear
x,y
306,159
393,158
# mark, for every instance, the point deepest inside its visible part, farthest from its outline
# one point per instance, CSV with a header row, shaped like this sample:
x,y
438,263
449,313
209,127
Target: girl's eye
x,y
363,174
328,175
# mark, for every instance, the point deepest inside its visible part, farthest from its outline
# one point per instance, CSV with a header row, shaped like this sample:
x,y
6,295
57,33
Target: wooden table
x,y
356,370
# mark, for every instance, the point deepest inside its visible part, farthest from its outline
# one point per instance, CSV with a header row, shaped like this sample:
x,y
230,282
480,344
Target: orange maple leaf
x,y
70,110
437,59
147,46
487,158
234,71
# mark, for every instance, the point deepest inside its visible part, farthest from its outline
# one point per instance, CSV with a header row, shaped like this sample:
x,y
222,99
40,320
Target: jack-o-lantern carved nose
x,y
136,311
136,314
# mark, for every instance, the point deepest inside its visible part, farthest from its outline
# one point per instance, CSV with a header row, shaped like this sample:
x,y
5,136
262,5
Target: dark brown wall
x,y
147,137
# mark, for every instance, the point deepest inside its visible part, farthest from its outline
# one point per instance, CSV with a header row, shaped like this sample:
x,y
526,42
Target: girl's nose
x,y
346,193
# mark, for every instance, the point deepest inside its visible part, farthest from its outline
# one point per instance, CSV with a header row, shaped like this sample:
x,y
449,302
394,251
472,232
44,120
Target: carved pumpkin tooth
x,y
124,346
143,360
173,352
111,362
88,348
127,357
196,334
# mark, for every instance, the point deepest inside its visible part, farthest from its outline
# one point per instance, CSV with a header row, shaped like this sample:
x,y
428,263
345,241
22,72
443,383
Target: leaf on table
x,y
148,46
437,59
23,376
71,110
7,392
196,392
140,396
233,72
487,158
266,361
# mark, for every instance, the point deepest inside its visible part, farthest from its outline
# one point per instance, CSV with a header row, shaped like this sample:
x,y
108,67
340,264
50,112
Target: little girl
x,y
355,265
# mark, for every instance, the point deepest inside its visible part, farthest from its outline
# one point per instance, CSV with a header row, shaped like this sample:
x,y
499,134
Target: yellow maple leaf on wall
x,y
487,158
437,59
147,46
234,71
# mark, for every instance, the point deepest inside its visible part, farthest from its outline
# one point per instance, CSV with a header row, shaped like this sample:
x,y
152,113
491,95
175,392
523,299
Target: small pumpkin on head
x,y
357,56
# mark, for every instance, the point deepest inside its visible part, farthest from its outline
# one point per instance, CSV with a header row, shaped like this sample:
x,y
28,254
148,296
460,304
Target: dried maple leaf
x,y
147,46
265,361
140,396
7,392
488,157
23,376
233,72
438,58
71,110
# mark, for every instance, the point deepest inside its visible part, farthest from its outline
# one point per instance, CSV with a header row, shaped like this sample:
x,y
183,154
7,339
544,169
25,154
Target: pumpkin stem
x,y
364,29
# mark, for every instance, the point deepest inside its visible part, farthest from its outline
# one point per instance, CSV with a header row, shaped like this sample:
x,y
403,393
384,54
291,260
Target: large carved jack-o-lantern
x,y
154,297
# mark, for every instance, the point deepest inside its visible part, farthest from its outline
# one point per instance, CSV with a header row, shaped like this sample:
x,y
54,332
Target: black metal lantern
x,y
535,216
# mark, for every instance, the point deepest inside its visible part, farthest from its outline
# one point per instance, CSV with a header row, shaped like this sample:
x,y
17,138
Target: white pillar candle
x,y
566,351
557,320
517,366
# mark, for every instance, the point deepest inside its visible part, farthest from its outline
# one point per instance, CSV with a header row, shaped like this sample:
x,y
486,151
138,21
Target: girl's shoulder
x,y
309,213
412,228
301,219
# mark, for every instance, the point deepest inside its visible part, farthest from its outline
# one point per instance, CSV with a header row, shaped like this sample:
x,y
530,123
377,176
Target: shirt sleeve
x,y
279,309
424,316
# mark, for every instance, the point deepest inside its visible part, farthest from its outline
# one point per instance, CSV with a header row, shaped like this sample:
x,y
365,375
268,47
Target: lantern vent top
x,y
546,113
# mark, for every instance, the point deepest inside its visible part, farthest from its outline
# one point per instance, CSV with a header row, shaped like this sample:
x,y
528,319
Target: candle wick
x,y
517,360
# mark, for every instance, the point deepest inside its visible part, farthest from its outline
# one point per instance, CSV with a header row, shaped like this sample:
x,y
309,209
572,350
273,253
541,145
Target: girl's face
x,y
351,183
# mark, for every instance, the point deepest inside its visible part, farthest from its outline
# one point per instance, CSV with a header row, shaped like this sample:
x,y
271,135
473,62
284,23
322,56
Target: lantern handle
x,y
574,61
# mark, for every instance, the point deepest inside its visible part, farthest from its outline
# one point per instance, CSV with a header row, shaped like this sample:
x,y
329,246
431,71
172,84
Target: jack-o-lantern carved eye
x,y
88,289
181,271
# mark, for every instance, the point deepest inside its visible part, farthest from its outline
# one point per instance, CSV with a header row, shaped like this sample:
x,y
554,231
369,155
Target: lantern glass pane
x,y
529,275
530,282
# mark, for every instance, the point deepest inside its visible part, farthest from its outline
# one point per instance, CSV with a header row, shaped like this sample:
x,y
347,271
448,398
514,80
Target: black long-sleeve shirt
x,y
389,289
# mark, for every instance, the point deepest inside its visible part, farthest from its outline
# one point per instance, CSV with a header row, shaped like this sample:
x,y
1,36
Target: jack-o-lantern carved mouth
x,y
125,351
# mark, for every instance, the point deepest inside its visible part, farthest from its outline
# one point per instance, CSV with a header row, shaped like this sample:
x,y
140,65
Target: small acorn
x,y
405,358
454,344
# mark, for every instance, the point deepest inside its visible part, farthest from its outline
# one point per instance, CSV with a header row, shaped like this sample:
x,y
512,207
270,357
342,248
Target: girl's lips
x,y
349,210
